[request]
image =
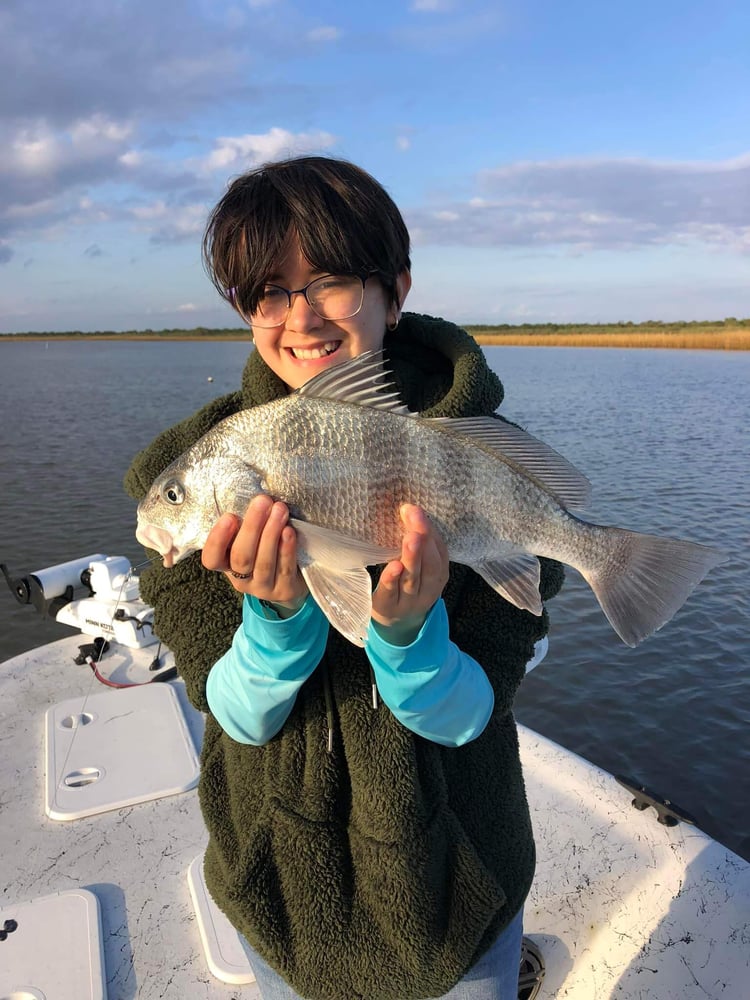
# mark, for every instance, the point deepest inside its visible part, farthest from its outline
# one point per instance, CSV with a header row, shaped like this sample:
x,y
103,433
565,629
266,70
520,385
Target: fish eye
x,y
173,492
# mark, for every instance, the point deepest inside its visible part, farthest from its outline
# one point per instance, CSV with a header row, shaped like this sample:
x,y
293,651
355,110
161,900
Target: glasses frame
x,y
232,296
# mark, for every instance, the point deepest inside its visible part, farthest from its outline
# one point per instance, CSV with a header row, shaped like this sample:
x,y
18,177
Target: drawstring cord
x,y
374,686
328,694
329,704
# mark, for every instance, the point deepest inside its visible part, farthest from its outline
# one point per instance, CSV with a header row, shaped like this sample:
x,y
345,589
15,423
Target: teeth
x,y
309,354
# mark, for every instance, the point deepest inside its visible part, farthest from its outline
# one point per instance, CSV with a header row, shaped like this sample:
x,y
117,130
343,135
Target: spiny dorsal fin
x,y
361,380
534,457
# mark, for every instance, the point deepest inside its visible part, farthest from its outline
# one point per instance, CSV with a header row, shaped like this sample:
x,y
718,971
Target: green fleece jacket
x,y
384,868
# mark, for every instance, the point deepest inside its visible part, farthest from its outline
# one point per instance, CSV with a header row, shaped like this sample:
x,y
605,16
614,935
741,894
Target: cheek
x,y
265,344
371,329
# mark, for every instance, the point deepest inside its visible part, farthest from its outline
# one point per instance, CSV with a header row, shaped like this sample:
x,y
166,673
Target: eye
x,y
273,293
173,492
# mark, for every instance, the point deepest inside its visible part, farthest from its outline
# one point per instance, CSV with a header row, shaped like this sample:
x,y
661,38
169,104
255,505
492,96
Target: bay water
x,y
661,434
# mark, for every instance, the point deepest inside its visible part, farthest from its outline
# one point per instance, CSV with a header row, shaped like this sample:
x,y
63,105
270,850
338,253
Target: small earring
x,y
391,327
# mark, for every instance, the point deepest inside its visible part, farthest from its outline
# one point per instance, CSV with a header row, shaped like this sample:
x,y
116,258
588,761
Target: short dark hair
x,y
345,221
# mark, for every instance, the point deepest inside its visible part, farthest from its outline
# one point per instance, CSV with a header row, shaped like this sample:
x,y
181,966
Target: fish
x,y
344,453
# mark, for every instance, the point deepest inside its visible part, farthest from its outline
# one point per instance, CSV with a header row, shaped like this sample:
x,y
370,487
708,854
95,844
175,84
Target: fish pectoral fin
x,y
344,597
336,550
333,566
516,578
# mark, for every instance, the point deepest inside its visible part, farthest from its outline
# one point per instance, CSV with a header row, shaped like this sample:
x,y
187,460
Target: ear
x,y
403,284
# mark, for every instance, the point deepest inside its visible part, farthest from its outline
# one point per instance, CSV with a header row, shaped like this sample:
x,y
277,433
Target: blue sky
x,y
555,160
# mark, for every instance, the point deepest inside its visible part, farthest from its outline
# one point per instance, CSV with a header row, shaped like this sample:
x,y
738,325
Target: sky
x,y
556,161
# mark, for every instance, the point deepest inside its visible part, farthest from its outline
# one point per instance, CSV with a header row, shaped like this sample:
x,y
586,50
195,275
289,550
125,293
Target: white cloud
x,y
431,6
598,203
131,159
245,151
324,34
179,223
36,154
156,210
90,132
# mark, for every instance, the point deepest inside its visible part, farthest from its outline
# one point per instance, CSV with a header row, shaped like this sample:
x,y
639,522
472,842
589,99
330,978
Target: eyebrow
x,y
275,278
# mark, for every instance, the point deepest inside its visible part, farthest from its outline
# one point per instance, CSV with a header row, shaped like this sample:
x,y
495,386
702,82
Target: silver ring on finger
x,y
241,576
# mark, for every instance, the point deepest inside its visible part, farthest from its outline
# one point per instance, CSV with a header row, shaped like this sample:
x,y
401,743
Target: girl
x,y
365,849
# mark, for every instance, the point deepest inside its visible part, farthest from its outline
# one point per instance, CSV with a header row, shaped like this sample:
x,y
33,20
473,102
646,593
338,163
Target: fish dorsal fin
x,y
534,457
362,380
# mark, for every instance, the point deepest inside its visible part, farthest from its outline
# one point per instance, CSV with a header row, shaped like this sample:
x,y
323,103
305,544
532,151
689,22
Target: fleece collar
x,y
438,368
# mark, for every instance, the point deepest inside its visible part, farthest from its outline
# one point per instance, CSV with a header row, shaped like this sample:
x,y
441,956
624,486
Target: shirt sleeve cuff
x,y
431,686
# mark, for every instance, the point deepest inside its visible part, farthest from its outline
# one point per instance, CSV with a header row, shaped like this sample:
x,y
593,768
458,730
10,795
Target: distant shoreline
x,y
727,335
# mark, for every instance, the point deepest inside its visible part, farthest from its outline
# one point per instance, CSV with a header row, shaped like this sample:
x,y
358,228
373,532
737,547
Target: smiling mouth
x,y
313,353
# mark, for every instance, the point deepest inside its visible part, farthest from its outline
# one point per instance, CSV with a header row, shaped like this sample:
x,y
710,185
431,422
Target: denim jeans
x,y
494,977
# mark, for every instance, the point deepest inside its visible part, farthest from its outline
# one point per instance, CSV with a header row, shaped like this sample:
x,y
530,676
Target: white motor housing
x,y
115,610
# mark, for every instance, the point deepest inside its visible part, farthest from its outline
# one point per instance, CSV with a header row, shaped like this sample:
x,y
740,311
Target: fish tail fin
x,y
644,580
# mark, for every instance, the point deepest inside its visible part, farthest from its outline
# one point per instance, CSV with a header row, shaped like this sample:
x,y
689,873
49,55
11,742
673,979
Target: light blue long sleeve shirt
x,y
431,686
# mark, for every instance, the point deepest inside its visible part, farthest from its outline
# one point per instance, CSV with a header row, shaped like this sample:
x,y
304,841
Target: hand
x,y
263,548
409,586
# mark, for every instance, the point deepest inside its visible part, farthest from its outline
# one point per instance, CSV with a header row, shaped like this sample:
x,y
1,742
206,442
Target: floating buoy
x,y
210,378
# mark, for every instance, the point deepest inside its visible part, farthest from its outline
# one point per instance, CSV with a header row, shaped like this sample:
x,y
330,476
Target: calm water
x,y
661,434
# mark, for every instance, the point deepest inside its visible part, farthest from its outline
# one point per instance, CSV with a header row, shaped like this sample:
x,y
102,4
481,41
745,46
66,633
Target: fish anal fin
x,y
516,578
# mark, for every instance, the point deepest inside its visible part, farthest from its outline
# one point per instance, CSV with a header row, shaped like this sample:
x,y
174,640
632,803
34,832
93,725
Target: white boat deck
x,y
622,906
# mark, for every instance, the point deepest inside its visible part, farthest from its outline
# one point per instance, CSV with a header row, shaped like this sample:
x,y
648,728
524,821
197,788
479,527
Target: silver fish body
x,y
345,455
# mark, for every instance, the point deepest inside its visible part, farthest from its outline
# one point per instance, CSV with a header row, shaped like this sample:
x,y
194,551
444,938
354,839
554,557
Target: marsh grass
x,y
721,336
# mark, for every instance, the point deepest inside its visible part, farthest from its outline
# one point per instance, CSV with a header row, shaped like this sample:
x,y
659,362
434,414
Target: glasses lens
x,y
336,296
272,307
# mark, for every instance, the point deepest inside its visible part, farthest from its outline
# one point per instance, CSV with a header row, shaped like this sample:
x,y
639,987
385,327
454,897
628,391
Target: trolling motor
x,y
111,605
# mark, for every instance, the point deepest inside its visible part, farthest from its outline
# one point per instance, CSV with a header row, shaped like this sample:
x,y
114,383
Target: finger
x,y
434,552
215,553
388,588
286,559
267,555
411,558
415,519
244,548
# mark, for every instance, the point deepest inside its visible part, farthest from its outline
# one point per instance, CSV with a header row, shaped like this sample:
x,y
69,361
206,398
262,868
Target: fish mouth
x,y
315,353
159,539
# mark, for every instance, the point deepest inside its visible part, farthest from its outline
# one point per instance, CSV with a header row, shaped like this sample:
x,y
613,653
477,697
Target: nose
x,y
301,316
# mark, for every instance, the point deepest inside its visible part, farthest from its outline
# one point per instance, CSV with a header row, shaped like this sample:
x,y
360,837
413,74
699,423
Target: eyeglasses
x,y
333,296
